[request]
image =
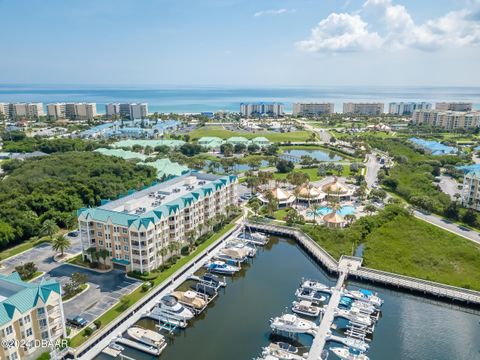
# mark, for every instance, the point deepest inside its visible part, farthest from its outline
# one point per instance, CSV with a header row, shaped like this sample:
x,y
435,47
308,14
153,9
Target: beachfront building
x,y
72,111
29,313
261,109
454,106
129,111
448,120
313,109
283,197
407,108
470,190
22,110
136,228
363,108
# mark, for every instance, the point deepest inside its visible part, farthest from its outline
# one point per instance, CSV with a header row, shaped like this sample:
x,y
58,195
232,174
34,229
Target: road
x,y
322,133
373,165
449,226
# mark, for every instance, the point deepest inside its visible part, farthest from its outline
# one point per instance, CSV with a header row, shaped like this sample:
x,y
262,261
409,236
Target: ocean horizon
x,y
196,99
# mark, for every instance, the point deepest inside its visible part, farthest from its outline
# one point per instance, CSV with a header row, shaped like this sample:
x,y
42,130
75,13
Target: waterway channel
x,y
236,325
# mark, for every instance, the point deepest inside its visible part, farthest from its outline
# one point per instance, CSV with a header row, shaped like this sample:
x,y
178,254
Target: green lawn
x,y
218,131
313,173
137,294
425,251
280,214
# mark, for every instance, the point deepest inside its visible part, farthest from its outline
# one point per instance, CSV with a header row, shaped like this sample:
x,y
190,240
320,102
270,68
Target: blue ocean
x,y
200,99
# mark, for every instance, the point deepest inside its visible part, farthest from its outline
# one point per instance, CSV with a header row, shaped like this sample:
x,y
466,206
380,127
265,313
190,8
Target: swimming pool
x,y
344,210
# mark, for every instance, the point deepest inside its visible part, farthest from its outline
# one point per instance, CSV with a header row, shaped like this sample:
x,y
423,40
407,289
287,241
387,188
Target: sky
x,y
241,42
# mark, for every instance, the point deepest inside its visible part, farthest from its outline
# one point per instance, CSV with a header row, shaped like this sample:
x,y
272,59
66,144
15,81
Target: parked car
x,y
73,233
77,321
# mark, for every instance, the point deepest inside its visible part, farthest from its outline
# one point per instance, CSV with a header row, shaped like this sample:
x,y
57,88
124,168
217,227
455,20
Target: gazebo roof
x,y
280,194
306,191
335,187
334,218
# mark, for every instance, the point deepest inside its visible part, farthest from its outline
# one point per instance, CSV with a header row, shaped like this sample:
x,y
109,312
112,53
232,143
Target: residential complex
x,y
30,315
407,108
453,106
470,191
448,120
363,108
130,111
136,229
72,111
261,109
312,109
21,110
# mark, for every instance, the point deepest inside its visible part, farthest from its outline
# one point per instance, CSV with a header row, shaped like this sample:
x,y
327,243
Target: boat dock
x,y
424,287
111,352
324,332
138,346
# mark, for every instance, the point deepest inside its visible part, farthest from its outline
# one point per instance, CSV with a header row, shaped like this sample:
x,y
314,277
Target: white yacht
x,y
354,316
235,254
364,295
364,307
250,249
306,308
169,310
315,285
291,323
311,295
282,351
345,354
147,337
220,267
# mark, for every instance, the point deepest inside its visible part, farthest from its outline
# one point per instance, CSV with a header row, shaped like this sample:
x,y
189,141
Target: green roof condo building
x,y
30,314
137,230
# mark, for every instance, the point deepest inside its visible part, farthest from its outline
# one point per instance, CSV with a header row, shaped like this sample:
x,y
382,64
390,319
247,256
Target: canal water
x,y
236,325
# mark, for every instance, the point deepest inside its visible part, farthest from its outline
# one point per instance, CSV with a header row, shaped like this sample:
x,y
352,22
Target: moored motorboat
x,y
364,295
346,354
233,254
306,308
169,310
282,350
190,299
315,285
311,295
147,337
364,307
291,323
354,316
220,267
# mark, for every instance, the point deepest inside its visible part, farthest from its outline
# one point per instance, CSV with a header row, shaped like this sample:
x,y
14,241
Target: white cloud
x,y
350,32
274,12
341,32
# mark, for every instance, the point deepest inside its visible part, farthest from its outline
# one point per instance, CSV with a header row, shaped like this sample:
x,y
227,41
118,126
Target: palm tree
x,y
191,236
255,205
60,243
315,208
349,218
103,253
93,253
163,252
49,228
370,209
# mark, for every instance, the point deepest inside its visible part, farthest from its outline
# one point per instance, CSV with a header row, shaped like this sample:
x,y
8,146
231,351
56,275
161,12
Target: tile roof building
x,y
29,313
135,228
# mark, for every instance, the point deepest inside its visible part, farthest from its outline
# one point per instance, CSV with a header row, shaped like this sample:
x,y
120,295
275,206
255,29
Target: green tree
x,y
49,228
60,243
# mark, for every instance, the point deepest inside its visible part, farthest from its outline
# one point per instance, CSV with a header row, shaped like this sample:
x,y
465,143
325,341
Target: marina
x,y
240,316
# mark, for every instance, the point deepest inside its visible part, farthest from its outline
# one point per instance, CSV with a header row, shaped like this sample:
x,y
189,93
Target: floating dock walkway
x,y
430,288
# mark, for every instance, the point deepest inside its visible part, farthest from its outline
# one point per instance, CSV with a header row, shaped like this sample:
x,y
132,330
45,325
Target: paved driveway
x,y
104,288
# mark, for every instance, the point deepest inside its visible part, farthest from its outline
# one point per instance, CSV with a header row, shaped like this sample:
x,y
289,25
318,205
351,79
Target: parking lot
x,y
104,288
